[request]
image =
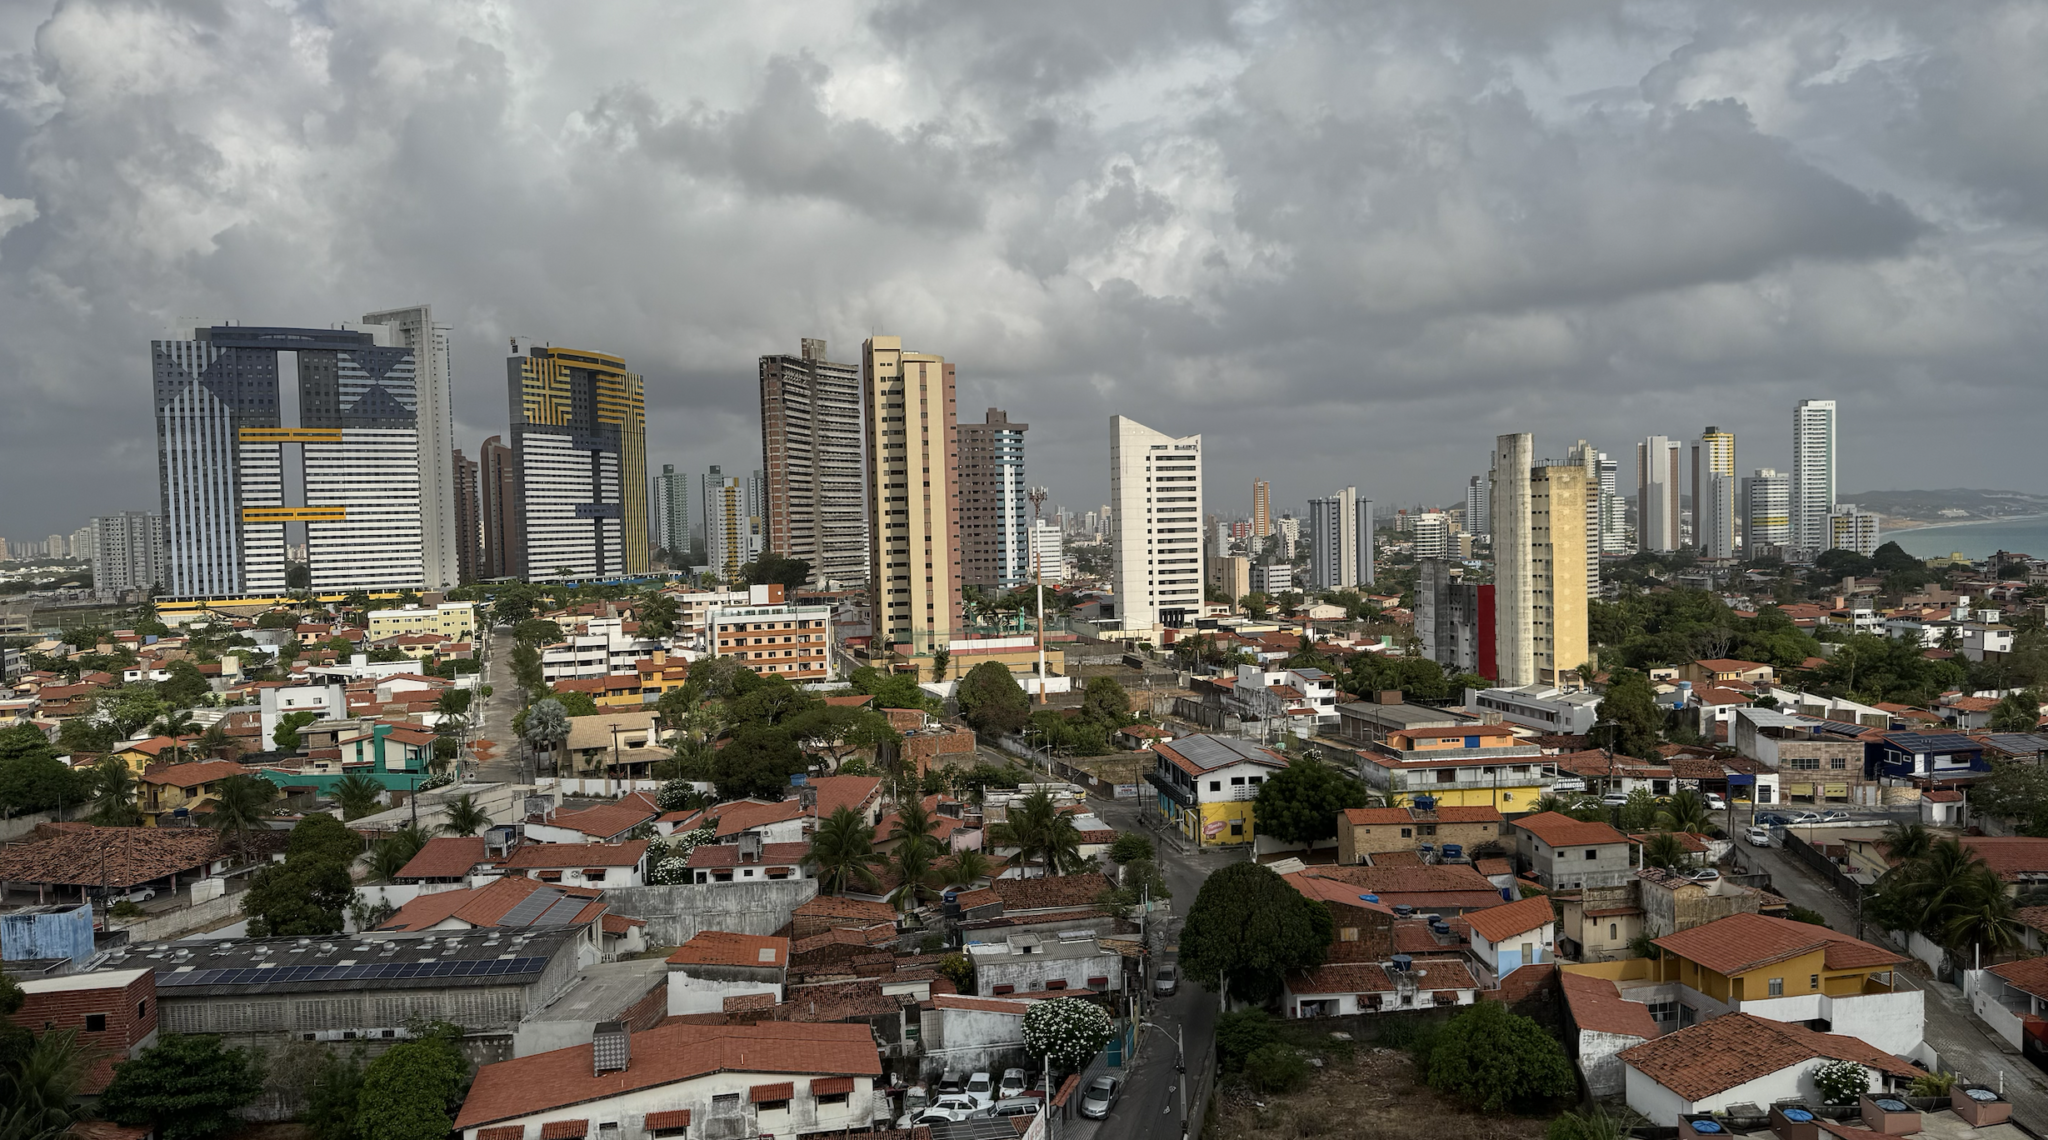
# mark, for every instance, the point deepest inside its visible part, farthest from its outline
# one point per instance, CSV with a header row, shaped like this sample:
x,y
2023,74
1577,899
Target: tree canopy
x,y
411,1091
991,700
1629,706
1498,1061
1299,803
307,894
189,1086
1248,928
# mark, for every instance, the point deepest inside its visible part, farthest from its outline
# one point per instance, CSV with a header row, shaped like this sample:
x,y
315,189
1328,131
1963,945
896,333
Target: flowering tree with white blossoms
x,y
1068,1031
673,867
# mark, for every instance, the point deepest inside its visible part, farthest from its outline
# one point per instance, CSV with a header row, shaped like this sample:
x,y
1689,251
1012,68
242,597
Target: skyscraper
x,y
1585,456
815,507
1613,509
733,534
233,474
503,533
1851,529
907,402
1262,508
83,542
413,327
469,535
1767,512
1155,485
1658,512
129,553
1713,503
1813,474
1557,565
1514,601
668,513
1340,540
1478,512
994,514
579,438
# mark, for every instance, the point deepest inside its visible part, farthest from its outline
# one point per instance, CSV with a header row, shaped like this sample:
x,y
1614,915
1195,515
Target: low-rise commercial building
x,y
1206,785
453,620
773,636
1369,831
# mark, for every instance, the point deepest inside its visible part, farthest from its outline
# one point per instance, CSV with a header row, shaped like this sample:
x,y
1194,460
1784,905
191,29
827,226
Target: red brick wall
x,y
928,748
68,1009
1524,983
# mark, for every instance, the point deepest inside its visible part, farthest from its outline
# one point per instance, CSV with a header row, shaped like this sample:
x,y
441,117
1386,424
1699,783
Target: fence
x,y
1850,890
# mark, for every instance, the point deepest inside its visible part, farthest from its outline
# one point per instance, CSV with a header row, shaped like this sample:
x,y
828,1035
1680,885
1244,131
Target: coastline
x,y
1890,525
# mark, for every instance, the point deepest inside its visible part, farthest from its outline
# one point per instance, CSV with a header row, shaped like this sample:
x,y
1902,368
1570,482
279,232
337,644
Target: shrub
x,y
1840,1082
1498,1061
1934,1084
1240,1034
1276,1068
1596,1123
1068,1031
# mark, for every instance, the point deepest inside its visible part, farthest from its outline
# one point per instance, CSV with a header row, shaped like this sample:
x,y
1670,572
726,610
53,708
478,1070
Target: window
x,y
1592,853
1777,987
1613,931
831,1098
1837,762
142,1009
95,1023
1406,832
1237,827
1215,785
1813,981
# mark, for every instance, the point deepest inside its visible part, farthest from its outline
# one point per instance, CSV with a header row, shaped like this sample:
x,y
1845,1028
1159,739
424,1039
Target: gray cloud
x,y
1347,243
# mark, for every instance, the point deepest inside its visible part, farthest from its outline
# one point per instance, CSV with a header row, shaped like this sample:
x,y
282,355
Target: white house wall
x,y
629,1110
707,995
1600,1060
1661,1106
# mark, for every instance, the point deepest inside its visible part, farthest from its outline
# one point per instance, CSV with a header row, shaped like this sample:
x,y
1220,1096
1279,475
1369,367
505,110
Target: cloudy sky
x,y
1348,243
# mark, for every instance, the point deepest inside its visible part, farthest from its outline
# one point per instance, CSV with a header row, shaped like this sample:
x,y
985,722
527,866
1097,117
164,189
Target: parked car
x,y
1614,799
1100,1095
1757,836
945,1109
1773,819
1805,817
1019,1106
1166,981
950,1084
1703,875
1015,1082
981,1088
1715,801
1834,817
138,895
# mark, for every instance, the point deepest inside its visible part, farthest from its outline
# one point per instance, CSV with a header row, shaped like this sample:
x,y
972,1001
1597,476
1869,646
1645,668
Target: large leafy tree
x,y
1498,1061
1301,802
770,567
31,776
1248,928
188,1086
39,1083
1631,720
412,1090
843,852
1106,703
2017,712
321,836
991,701
305,896
756,762
1950,895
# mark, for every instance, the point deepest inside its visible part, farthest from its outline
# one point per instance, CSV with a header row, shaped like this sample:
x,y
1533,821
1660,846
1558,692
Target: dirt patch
x,y
1361,1090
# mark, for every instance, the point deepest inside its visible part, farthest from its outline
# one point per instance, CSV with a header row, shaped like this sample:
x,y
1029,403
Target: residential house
x,y
1362,927
1545,708
621,745
748,861
1339,989
512,902
1302,700
582,864
1507,938
605,823
770,821
1742,1059
175,792
1817,761
1367,831
1602,1027
1459,766
69,859
2020,862
446,859
1719,671
1415,888
1035,964
1364,723
1206,785
770,1079
1566,853
1931,757
715,965
862,795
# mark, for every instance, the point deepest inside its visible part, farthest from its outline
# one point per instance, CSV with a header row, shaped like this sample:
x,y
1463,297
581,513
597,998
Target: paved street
x,y
508,761
1962,1044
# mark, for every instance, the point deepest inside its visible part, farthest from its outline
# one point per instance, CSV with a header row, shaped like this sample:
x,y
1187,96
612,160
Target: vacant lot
x,y
1361,1090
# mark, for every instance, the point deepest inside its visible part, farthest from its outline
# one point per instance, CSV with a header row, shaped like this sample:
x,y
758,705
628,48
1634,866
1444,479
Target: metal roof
x,y
2017,743
1210,752
1917,742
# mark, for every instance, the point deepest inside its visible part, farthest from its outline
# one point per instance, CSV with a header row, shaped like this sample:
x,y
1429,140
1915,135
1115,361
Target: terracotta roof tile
x,y
724,948
1559,830
844,791
193,775
1596,1004
2010,856
858,912
1050,892
551,855
1499,923
675,1118
1743,942
83,855
446,857
744,815
564,1129
1718,1055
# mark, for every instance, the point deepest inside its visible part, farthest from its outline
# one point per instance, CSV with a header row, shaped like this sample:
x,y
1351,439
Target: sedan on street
x,y
1099,1097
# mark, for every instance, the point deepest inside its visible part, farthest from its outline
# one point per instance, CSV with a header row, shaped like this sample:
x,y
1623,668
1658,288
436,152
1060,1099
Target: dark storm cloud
x,y
1348,243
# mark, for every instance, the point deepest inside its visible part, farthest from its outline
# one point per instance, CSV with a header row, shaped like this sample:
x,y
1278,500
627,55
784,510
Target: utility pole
x,y
1037,497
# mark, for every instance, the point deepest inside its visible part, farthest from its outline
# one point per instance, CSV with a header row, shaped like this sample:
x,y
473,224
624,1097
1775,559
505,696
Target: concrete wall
x,y
2002,1021
185,920
972,1041
1600,1060
1893,1022
675,914
707,994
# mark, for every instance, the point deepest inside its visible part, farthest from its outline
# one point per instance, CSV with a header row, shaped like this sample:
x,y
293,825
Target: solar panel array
x,y
1843,727
1932,742
366,971
547,907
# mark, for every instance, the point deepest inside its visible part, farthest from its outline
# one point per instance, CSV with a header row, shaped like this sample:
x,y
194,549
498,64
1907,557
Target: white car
x,y
1614,799
946,1108
981,1089
1715,801
1757,836
1013,1085
1806,817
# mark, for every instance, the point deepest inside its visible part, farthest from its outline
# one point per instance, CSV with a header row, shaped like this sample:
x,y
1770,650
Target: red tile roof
x,y
980,1005
724,948
1052,892
1559,830
1596,1004
604,820
446,857
744,815
1333,891
193,775
1372,977
1743,942
665,1055
781,1090
503,1132
2010,856
551,855
677,1118
564,1129
1737,1048
713,855
1500,923
1942,796
853,912
852,792
1729,665
486,905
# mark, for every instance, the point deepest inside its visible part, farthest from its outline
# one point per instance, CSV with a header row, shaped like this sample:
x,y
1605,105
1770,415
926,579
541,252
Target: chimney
x,y
610,1048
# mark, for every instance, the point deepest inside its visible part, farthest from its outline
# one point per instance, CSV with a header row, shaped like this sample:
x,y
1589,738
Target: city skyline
x,y
1069,238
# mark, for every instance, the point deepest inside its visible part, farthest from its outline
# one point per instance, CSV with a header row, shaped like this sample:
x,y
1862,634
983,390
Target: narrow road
x,y
508,761
1962,1044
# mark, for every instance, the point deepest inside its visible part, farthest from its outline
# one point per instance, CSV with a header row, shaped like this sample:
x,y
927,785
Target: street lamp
x,y
1180,1066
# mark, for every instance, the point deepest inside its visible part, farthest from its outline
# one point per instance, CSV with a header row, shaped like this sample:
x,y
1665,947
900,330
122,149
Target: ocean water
x,y
2027,534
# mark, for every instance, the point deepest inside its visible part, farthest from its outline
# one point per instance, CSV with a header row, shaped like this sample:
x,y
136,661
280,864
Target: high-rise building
x,y
1557,564
668,513
1340,541
469,534
1231,575
1478,512
1155,481
1262,508
130,553
1713,507
733,534
994,513
234,475
1514,631
1453,619
1813,474
815,506
413,327
503,530
1851,529
1767,513
1584,455
1047,551
579,438
908,404
1613,509
1432,531
82,543
1658,513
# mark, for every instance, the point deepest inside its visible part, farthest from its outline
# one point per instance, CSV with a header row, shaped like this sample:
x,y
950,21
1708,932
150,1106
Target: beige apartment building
x,y
908,404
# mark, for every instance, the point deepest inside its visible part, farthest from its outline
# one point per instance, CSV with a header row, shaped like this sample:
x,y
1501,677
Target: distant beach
x,y
1975,538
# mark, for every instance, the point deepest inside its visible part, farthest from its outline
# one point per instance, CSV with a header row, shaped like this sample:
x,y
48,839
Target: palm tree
x,y
174,724
1665,850
1687,812
1907,842
113,793
465,817
967,868
357,794
843,852
914,824
1040,831
38,1092
213,741
1552,802
394,851
238,807
917,880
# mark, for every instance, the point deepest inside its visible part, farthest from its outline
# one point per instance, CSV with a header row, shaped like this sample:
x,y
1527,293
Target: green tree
x,y
286,735
526,668
300,897
1241,1032
1106,704
333,1094
1665,850
843,852
942,660
1639,813
39,1085
239,808
991,701
357,794
186,686
537,631
1129,847
412,1090
464,816
756,762
1631,719
575,704
1951,896
31,776
188,1086
2017,712
113,793
1688,812
1907,842
321,836
1301,802
1276,1068
1248,929
547,726
2014,791
129,707
1040,832
791,573
775,702
1497,1061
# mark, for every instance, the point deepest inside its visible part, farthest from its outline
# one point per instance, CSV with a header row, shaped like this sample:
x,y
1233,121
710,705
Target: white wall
x,y
1600,1060
704,995
1661,1106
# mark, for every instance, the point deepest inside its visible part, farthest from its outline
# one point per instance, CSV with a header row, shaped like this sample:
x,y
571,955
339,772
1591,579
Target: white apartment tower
x,y
732,523
128,553
1584,456
1713,493
1340,541
1155,485
1657,489
414,328
1767,511
1851,529
1613,508
1813,474
1514,631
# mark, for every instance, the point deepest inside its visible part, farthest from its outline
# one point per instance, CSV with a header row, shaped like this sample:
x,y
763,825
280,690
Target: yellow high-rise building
x,y
907,401
1557,569
579,432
